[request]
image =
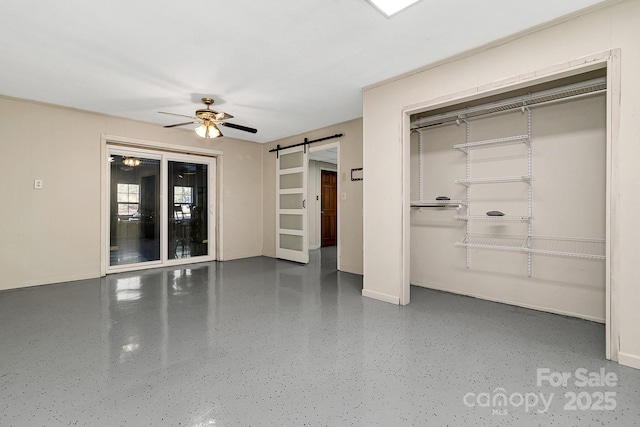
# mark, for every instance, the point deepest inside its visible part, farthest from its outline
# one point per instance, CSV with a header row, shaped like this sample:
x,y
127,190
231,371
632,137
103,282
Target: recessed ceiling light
x,y
389,7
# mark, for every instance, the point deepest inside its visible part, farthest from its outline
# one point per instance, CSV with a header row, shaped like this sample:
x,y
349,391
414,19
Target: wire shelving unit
x,y
529,243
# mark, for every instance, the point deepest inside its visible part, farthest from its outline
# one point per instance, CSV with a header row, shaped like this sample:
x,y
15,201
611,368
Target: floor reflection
x,y
261,341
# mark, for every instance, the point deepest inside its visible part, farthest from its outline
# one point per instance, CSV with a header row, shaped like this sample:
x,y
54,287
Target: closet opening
x,y
508,196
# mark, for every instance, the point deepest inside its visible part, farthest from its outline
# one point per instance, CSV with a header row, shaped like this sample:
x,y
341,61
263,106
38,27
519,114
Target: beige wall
x,y
53,235
568,159
614,26
350,214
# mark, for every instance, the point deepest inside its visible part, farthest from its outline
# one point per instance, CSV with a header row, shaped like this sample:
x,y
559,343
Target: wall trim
x,y
630,360
380,296
157,145
351,269
513,303
234,257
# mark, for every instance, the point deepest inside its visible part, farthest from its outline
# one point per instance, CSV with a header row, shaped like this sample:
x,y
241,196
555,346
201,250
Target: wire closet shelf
x,y
438,204
544,245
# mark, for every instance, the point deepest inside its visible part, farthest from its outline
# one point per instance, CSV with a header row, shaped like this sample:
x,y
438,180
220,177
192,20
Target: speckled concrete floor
x,y
266,342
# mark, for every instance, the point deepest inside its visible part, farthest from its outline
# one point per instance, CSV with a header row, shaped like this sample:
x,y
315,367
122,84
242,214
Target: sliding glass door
x,y
161,209
134,235
187,211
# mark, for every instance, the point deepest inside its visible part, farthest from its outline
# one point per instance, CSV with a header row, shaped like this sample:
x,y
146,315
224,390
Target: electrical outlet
x,y
38,184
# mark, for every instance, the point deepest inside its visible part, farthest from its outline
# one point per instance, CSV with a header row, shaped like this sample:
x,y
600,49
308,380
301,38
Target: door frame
x,y
315,148
108,141
610,60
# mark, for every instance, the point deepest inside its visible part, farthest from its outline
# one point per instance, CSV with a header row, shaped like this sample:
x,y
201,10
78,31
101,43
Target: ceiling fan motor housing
x,y
209,119
206,113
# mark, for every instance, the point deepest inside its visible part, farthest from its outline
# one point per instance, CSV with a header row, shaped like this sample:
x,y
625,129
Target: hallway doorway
x,y
324,202
328,208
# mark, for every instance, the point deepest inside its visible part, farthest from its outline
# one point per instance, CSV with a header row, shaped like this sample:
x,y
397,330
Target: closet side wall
x,y
569,166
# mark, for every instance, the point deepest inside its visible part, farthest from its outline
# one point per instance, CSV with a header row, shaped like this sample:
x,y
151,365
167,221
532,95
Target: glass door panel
x,y
188,213
134,229
161,209
291,216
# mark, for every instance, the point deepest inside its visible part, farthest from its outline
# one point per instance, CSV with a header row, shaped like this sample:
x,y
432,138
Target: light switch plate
x,y
38,184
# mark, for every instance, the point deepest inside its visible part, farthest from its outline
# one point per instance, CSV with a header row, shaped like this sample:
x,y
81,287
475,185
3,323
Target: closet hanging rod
x,y
540,104
588,88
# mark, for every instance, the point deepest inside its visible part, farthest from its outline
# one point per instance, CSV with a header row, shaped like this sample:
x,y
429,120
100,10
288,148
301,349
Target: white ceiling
x,y
281,66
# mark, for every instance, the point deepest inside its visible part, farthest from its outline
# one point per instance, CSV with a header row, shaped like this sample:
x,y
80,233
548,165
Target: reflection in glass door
x,y
134,233
188,229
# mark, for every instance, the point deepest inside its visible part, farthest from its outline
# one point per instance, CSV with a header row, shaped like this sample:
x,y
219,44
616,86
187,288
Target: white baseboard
x,y
350,269
515,303
380,296
630,360
53,280
241,256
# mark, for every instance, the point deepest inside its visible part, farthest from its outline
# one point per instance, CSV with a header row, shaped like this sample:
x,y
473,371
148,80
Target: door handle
x,y
304,204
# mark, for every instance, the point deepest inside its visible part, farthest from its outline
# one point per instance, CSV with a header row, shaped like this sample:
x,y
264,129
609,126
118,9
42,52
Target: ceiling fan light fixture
x,y
131,161
208,130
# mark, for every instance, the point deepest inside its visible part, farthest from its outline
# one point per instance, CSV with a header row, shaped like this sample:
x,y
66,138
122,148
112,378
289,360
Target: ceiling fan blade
x,y
239,127
179,115
181,124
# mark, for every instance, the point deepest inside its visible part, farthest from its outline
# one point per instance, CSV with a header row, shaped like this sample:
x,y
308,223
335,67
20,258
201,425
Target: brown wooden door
x,y
329,208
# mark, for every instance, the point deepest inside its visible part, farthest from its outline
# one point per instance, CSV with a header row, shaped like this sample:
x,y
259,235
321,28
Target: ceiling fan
x,y
209,121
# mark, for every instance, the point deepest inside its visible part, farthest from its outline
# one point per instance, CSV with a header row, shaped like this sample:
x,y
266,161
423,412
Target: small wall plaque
x,y
356,174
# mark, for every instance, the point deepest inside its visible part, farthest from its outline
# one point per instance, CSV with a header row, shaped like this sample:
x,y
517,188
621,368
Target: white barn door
x,y
292,228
